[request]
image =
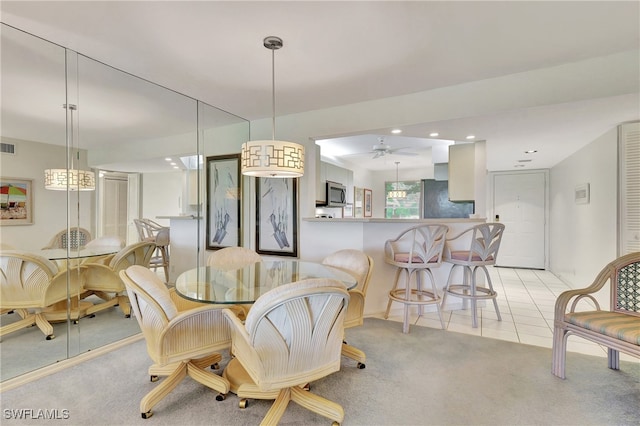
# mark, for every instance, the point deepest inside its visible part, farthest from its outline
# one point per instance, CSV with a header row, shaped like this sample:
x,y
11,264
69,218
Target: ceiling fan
x,y
382,149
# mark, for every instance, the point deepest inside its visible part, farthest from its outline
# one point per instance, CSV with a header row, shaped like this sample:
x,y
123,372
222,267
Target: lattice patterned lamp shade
x,y
271,158
397,193
74,180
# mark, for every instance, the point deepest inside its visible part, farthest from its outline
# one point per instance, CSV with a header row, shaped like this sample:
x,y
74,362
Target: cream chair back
x,y
355,262
296,332
133,254
417,247
233,258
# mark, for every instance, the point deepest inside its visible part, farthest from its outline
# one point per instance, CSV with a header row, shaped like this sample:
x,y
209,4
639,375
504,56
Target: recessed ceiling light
x,y
531,151
396,131
471,137
176,167
167,159
434,134
173,164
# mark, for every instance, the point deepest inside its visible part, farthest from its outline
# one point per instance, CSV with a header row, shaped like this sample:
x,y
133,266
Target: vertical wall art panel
x,y
224,196
277,216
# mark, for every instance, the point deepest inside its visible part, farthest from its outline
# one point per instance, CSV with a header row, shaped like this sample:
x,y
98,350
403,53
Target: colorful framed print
x,y
16,201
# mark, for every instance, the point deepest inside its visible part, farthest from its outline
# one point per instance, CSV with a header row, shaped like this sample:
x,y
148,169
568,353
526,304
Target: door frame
x,y
491,200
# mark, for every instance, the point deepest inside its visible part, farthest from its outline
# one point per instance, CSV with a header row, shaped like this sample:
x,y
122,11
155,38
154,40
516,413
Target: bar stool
x,y
482,251
415,251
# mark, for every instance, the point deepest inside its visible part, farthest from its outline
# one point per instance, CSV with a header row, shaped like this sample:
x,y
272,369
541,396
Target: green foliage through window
x,y
407,207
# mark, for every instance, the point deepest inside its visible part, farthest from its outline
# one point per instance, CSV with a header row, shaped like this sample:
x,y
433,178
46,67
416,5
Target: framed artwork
x,y
224,195
16,201
347,210
358,197
368,208
277,216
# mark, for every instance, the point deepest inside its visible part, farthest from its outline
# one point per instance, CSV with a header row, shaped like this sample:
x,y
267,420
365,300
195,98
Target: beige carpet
x,y
428,377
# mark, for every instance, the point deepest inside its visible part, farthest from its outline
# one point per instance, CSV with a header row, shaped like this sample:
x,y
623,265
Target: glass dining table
x,y
244,285
66,260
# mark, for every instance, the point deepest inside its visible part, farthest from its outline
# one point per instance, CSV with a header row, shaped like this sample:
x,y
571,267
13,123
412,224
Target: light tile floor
x,y
526,299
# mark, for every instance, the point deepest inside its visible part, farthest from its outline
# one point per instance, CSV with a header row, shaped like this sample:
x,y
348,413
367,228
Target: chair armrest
x,y
576,295
202,328
57,290
355,309
241,345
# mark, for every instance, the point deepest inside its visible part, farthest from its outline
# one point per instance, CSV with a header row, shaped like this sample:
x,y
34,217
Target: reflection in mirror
x,y
142,141
129,127
33,136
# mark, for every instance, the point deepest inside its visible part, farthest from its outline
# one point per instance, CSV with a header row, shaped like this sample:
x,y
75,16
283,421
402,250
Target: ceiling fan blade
x,y
404,153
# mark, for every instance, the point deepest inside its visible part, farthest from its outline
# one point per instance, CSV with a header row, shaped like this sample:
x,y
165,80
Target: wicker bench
x,y
618,328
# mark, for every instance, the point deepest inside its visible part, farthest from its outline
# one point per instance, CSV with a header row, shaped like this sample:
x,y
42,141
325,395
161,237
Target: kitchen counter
x,y
383,220
323,236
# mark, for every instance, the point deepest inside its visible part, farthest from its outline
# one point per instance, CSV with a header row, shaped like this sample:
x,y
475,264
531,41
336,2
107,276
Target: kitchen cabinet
x,y
462,172
330,172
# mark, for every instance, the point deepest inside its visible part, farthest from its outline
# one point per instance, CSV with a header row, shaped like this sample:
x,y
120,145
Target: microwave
x,y
336,194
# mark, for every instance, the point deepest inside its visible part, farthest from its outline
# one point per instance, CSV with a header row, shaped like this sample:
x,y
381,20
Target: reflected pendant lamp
x,y
272,158
397,193
70,179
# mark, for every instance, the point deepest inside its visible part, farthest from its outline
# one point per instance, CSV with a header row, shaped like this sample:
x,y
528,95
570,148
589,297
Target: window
x,y
407,207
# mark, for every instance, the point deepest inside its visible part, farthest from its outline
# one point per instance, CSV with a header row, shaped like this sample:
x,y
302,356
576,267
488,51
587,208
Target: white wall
x,y
49,207
583,236
162,195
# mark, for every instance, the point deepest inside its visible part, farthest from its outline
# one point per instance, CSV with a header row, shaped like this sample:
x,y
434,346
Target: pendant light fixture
x,y
272,158
70,179
397,193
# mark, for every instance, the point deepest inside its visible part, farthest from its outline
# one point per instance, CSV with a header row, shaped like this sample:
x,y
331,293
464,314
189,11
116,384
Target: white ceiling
x,y
337,53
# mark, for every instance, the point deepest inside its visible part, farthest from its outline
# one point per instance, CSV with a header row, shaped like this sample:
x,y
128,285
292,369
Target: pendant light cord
x,y
273,93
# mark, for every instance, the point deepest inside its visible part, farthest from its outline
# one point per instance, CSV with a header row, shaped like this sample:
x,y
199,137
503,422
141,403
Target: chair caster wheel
x,y
146,415
243,403
221,397
50,337
127,316
215,366
92,316
361,365
153,378
75,322
335,424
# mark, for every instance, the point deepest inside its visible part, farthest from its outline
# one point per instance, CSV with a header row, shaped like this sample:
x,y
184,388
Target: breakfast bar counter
x,y
323,236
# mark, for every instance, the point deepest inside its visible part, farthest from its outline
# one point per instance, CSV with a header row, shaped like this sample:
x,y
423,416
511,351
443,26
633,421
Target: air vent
x,y
7,148
524,161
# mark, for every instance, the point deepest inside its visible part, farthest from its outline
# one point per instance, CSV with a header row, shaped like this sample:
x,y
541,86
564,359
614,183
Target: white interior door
x,y
519,200
114,206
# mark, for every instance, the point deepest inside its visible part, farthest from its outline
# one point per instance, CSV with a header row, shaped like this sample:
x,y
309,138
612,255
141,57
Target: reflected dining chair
x,y
183,337
74,237
415,252
473,249
103,280
291,337
30,284
230,258
360,265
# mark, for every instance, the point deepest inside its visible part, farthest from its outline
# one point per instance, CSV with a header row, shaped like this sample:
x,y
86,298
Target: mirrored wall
x,y
146,146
